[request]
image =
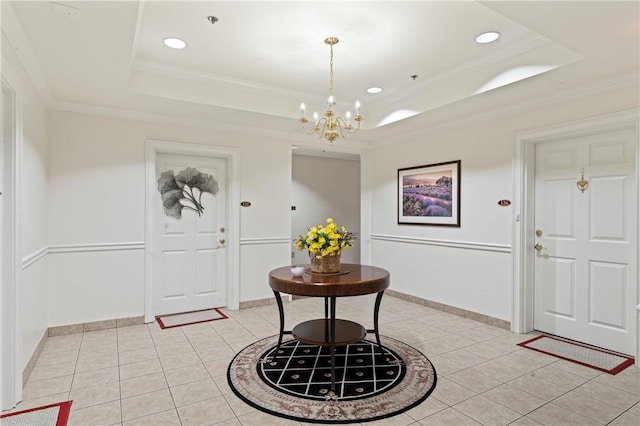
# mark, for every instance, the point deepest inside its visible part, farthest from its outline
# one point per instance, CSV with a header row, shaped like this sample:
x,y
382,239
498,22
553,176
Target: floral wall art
x,y
184,191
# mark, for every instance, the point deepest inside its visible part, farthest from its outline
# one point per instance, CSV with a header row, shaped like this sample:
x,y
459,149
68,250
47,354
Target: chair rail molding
x,y
467,245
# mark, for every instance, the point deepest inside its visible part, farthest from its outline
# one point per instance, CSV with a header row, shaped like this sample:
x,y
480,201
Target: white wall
x,y
323,188
467,267
96,199
32,178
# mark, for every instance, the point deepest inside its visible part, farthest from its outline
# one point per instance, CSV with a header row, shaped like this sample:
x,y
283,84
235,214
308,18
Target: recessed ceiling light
x,y
174,43
487,37
374,90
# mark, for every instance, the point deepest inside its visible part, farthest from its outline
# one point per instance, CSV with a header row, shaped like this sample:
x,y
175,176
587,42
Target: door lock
x,y
538,247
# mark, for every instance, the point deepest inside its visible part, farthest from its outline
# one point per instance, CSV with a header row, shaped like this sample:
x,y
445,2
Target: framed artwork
x,y
430,195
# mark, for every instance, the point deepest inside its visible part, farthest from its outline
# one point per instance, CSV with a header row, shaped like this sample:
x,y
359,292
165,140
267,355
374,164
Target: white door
x,y
189,253
586,269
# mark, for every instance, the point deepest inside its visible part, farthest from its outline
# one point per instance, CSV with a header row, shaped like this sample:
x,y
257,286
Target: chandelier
x,y
329,126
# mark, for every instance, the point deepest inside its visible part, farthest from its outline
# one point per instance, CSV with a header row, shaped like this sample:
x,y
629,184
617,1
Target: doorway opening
x,y
325,185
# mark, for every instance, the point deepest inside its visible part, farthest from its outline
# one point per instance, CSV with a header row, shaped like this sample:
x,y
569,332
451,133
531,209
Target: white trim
x,y
267,240
76,248
155,147
523,204
34,257
468,245
11,326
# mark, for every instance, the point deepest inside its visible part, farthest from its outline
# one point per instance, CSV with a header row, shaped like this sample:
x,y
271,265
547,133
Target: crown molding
x,y
16,38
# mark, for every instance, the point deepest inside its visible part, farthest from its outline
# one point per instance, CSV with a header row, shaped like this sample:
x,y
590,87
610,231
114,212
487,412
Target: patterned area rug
x,y
295,383
48,415
593,357
188,318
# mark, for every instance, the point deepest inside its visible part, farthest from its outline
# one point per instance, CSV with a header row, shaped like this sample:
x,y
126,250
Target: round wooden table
x,y
352,280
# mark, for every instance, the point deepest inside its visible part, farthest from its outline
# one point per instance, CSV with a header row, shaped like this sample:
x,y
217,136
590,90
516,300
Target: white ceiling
x,y
261,59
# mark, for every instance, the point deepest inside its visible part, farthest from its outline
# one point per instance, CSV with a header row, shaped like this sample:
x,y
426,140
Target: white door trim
x,y
523,202
154,147
10,325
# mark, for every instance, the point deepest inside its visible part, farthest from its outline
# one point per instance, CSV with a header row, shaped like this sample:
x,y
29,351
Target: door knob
x,y
538,247
222,241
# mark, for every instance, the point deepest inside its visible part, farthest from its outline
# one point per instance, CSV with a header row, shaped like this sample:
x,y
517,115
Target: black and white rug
x,y
295,383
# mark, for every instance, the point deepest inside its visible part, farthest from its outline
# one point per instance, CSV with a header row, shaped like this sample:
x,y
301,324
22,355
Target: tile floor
x,y
144,375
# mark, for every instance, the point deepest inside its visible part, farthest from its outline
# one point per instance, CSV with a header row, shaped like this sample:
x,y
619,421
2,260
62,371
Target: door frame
x,y
523,202
230,155
10,324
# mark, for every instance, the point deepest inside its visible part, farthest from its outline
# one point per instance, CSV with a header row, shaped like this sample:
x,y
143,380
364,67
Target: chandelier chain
x,y
331,70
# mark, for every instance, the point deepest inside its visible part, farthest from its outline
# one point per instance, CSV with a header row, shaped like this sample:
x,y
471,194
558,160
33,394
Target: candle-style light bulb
x,y
331,101
302,109
348,115
357,107
315,117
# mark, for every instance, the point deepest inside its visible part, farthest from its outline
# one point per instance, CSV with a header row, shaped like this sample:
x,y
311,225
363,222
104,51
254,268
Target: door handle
x,y
538,247
222,241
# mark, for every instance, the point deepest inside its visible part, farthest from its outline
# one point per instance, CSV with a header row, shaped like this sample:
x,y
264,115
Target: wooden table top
x,y
352,280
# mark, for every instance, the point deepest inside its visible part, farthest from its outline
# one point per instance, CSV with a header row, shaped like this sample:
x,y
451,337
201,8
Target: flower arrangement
x,y
327,240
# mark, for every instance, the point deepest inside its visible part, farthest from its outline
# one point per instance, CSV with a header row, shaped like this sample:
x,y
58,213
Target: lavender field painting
x,y
429,195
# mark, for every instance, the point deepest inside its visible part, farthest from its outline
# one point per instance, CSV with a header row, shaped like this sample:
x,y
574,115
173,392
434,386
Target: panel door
x,y
189,254
586,260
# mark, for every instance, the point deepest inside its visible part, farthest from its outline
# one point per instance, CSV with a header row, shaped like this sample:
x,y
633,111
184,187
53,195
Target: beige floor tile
x,y
627,380
95,377
536,386
223,351
448,417
96,362
219,366
628,418
48,371
98,350
69,342
38,388
191,373
190,393
143,384
141,368
146,404
586,406
559,376
451,393
524,421
102,414
57,357
206,412
473,380
135,344
229,422
95,395
608,394
137,355
171,362
487,411
428,407
515,399
260,418
551,414
402,419
163,418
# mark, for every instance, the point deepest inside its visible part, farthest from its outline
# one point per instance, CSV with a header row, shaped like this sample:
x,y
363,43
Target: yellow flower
x,y
327,240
